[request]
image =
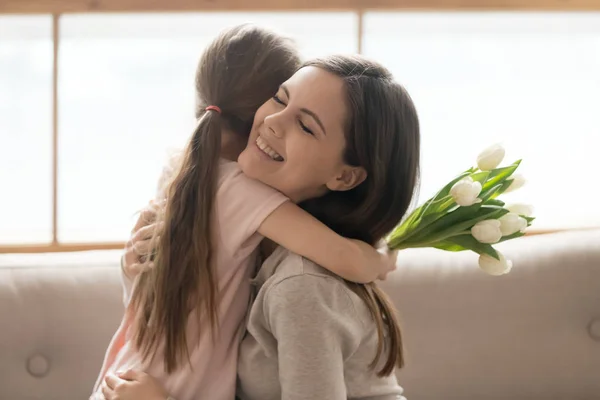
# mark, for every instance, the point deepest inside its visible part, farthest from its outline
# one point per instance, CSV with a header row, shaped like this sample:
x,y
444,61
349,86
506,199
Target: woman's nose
x,y
275,125
274,132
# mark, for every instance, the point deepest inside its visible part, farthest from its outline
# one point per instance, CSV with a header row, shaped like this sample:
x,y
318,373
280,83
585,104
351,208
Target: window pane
x,y
126,95
528,80
25,129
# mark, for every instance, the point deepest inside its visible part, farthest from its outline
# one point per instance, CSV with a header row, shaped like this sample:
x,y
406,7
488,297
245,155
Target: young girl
x,y
185,316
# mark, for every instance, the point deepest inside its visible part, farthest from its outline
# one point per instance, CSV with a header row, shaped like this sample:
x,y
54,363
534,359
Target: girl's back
x,y
242,204
185,316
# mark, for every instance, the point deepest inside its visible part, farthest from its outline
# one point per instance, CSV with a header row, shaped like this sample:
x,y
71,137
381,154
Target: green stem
x,y
447,201
427,243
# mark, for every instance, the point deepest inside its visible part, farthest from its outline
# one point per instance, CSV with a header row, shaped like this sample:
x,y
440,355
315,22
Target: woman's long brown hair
x,y
382,136
240,70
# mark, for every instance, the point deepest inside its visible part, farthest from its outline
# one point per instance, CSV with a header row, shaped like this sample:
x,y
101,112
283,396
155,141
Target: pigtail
x,y
184,278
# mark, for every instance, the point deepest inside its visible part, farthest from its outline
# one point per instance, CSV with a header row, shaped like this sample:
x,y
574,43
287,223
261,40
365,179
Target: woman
x,y
311,334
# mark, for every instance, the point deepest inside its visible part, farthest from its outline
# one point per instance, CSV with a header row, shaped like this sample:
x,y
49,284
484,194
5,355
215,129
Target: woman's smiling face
x,y
298,138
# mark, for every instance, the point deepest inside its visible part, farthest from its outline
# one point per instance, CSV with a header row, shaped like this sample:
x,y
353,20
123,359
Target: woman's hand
x,y
132,385
138,250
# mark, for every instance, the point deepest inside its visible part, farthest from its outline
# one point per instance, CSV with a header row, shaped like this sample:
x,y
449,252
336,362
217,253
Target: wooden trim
x,y
55,38
360,31
60,247
535,232
85,6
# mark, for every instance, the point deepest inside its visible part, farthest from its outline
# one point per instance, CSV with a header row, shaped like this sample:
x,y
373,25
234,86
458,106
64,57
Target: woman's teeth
x,y
268,150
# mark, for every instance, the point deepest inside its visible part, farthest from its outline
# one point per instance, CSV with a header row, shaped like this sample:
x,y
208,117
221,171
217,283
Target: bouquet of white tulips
x,y
466,214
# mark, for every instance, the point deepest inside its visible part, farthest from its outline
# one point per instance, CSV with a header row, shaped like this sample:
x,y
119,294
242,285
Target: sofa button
x,y
38,365
594,329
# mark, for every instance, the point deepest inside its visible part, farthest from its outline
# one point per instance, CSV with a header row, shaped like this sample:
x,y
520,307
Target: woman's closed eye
x,y
305,128
277,99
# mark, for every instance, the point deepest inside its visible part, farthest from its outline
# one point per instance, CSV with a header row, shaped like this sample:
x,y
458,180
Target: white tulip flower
x,y
487,231
495,267
465,192
490,158
518,181
511,223
521,209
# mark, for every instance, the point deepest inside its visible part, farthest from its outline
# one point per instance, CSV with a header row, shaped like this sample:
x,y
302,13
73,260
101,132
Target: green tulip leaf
x,y
457,222
469,242
499,175
494,202
480,177
448,246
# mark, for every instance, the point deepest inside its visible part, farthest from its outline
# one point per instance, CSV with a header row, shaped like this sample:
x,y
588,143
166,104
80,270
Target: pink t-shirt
x,y
241,207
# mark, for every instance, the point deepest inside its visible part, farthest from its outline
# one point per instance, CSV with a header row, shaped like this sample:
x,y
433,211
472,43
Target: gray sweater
x,y
309,337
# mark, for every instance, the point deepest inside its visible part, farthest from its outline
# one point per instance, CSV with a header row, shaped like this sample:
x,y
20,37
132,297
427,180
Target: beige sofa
x,y
532,334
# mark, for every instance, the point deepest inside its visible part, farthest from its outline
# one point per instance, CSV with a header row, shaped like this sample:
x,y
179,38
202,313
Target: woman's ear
x,y
349,178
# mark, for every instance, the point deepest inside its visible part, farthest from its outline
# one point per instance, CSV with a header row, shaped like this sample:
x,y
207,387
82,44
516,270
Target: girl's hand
x,y
376,263
139,248
388,261
132,385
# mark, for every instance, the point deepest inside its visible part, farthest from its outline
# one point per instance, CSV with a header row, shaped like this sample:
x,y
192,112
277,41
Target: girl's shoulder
x,y
228,168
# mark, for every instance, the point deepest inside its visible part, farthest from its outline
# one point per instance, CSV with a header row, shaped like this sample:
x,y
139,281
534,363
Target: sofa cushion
x,y
530,334
58,313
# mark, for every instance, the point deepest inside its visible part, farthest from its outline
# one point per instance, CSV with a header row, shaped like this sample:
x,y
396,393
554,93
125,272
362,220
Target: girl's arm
x,y
301,233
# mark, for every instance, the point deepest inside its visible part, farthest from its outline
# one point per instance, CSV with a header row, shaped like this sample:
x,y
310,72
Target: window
x,y
126,90
528,80
124,84
25,129
125,94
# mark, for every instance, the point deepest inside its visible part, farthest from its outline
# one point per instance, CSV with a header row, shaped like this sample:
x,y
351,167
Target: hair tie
x,y
213,108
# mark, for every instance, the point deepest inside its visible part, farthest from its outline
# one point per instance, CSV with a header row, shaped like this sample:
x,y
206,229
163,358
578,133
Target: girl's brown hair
x,y
382,136
240,70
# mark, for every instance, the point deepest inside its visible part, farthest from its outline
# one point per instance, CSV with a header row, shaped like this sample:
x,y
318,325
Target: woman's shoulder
x,y
298,279
284,266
